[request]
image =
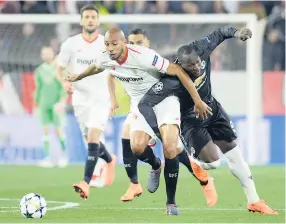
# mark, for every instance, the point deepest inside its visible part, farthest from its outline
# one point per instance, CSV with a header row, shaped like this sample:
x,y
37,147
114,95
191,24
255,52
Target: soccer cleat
x,y
262,208
134,190
63,162
198,171
82,188
210,192
110,171
154,179
172,209
46,163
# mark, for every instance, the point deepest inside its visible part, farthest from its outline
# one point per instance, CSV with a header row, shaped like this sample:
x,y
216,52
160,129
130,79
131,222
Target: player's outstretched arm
x,y
202,109
91,70
113,99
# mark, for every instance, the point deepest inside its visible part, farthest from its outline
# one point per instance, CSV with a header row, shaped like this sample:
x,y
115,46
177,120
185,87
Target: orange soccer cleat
x,y
203,176
134,190
110,171
262,208
82,188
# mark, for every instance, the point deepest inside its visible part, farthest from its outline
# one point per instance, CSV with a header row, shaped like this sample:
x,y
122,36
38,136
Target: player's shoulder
x,y
137,50
72,39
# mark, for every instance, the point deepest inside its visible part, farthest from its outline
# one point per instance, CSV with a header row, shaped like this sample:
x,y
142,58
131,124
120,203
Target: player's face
x,y
192,64
114,45
138,39
47,54
89,21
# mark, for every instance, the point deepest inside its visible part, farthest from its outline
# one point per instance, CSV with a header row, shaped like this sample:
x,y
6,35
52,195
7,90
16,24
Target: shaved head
x,y
189,59
115,32
115,43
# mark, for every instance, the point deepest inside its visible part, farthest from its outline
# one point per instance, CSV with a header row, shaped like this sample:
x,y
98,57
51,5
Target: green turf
x,y
104,205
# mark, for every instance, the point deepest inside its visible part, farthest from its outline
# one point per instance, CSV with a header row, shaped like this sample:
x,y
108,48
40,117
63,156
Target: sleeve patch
x,y
155,60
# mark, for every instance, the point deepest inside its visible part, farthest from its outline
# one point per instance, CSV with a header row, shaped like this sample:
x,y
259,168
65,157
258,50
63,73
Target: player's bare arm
x,y
113,99
91,70
66,84
202,109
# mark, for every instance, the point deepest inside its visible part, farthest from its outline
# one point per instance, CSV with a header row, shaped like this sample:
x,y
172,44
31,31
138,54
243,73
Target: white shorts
x,y
95,116
167,112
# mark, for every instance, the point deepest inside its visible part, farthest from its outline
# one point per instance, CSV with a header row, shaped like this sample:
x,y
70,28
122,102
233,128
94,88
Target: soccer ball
x,y
33,206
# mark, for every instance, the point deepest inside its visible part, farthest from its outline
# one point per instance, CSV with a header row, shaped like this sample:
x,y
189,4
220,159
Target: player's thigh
x,y
46,116
169,121
140,132
222,131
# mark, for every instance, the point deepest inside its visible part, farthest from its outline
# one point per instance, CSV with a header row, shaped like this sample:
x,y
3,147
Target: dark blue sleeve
x,y
210,42
167,86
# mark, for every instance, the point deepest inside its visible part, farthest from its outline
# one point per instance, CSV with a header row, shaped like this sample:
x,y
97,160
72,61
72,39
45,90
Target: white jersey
x,y
77,55
138,72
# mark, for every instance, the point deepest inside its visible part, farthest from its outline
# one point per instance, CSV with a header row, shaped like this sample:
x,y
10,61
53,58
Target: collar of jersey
x,y
90,41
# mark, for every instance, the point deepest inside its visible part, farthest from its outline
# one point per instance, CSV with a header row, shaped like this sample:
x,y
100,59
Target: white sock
x,y
241,171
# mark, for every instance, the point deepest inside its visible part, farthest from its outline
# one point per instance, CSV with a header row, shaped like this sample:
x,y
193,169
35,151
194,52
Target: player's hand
x,y
202,110
72,78
243,34
114,106
68,87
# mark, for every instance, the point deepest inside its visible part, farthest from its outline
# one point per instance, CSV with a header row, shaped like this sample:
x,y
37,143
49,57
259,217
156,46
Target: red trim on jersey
x,y
89,41
125,58
162,64
134,50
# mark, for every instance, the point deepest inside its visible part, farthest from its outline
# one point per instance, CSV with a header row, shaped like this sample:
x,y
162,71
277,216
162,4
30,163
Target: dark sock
x,y
171,173
148,157
130,161
92,157
104,154
184,159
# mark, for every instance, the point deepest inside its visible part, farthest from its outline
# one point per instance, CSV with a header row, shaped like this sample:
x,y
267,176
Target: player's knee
x,y
170,149
138,145
211,165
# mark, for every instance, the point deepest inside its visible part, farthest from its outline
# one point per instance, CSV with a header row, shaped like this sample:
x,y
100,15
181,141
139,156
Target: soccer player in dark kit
x,y
203,136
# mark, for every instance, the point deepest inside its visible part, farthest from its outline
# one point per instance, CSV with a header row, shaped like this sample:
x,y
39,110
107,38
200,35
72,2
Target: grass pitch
x,y
104,204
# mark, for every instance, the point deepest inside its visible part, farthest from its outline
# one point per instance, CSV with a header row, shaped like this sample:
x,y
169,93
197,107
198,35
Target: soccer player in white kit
x,y
90,97
137,68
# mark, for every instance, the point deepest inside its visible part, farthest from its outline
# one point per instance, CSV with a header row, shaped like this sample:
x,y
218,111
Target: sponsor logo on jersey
x,y
158,87
128,79
155,60
85,61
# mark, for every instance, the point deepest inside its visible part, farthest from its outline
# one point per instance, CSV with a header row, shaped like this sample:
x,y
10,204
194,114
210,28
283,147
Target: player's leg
x,y
199,139
95,119
45,115
223,134
58,122
130,164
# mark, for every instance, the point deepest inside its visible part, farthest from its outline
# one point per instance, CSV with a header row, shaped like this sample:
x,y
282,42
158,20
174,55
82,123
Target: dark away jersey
x,y
168,85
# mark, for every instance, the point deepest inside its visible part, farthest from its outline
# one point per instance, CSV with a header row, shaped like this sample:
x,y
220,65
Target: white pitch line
x,y
65,205
182,209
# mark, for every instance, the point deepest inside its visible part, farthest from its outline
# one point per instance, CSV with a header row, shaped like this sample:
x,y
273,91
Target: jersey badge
x,y
155,60
158,87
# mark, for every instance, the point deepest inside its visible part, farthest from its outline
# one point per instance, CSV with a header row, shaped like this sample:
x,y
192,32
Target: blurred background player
x,y
90,97
50,100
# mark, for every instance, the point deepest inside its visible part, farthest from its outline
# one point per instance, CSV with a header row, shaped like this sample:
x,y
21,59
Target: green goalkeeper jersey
x,y
49,90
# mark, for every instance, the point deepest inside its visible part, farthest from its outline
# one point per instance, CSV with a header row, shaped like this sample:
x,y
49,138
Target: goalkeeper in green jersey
x,y
50,101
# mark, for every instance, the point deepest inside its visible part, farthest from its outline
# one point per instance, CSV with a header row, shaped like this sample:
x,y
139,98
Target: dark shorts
x,y
197,133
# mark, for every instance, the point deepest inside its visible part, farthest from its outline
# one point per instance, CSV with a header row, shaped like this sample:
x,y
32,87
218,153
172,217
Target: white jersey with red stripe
x,y
77,54
138,71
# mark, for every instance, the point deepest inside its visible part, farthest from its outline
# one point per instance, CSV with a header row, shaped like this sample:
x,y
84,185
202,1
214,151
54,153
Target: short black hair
x,y
88,7
138,31
183,51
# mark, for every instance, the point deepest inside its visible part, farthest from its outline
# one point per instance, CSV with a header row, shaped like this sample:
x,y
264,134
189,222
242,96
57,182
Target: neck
x,y
89,36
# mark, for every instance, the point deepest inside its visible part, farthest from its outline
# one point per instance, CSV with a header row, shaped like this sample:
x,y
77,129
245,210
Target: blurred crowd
x,y
31,38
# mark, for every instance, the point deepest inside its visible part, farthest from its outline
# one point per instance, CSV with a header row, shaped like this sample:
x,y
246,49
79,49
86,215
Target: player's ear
x,y
80,22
